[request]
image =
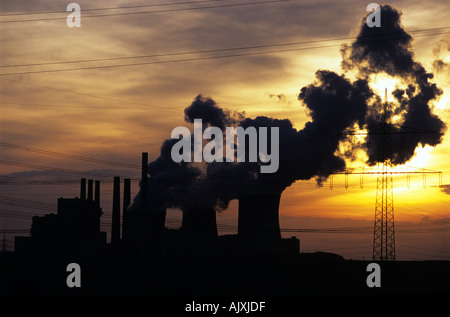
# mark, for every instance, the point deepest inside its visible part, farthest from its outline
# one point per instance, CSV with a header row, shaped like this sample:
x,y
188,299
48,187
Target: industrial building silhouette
x,y
146,258
75,228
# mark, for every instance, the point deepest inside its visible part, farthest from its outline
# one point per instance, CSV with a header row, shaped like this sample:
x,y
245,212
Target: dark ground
x,y
305,274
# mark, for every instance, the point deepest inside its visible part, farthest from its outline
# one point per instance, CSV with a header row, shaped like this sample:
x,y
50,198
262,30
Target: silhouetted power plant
x,y
75,229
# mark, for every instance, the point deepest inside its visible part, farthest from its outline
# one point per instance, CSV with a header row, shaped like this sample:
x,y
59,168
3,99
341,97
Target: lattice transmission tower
x,y
384,229
383,232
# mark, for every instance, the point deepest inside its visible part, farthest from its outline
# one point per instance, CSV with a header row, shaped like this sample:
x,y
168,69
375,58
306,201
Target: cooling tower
x,y
199,229
259,227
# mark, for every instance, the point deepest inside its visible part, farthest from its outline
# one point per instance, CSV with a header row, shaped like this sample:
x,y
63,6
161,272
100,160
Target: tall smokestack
x,y
258,224
126,203
115,229
144,214
83,189
90,196
144,179
97,193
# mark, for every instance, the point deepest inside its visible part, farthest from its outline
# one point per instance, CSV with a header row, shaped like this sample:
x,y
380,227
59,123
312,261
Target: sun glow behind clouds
x,y
380,81
443,102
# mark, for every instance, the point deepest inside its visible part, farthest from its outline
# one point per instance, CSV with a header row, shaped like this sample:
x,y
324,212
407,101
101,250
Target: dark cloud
x,y
381,49
439,65
168,181
280,97
334,104
207,110
441,49
387,49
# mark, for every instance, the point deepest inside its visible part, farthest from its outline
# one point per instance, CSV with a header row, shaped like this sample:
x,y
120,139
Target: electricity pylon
x,y
384,231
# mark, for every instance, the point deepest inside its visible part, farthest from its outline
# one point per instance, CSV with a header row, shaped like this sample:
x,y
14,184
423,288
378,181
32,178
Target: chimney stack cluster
x,y
90,191
94,195
115,229
258,224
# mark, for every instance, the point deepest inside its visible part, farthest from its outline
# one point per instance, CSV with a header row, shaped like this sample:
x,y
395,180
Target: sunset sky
x,y
118,85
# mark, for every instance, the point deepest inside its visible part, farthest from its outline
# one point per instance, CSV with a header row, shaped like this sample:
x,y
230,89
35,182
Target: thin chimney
x,y
97,193
90,196
144,179
144,216
126,203
83,189
115,229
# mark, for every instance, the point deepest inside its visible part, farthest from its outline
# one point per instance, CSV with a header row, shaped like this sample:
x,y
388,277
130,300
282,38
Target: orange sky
x,y
115,113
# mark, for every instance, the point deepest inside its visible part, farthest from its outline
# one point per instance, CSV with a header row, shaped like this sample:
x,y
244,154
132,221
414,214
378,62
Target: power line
x,y
25,203
37,181
333,230
90,95
425,224
173,223
426,254
424,249
69,156
16,212
131,102
5,214
113,8
338,249
154,11
62,170
164,62
203,57
34,105
381,36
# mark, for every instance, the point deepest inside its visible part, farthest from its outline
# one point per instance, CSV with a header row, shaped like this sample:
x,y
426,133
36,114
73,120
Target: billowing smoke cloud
x,y
419,125
168,181
381,49
280,97
207,110
334,103
441,49
387,49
